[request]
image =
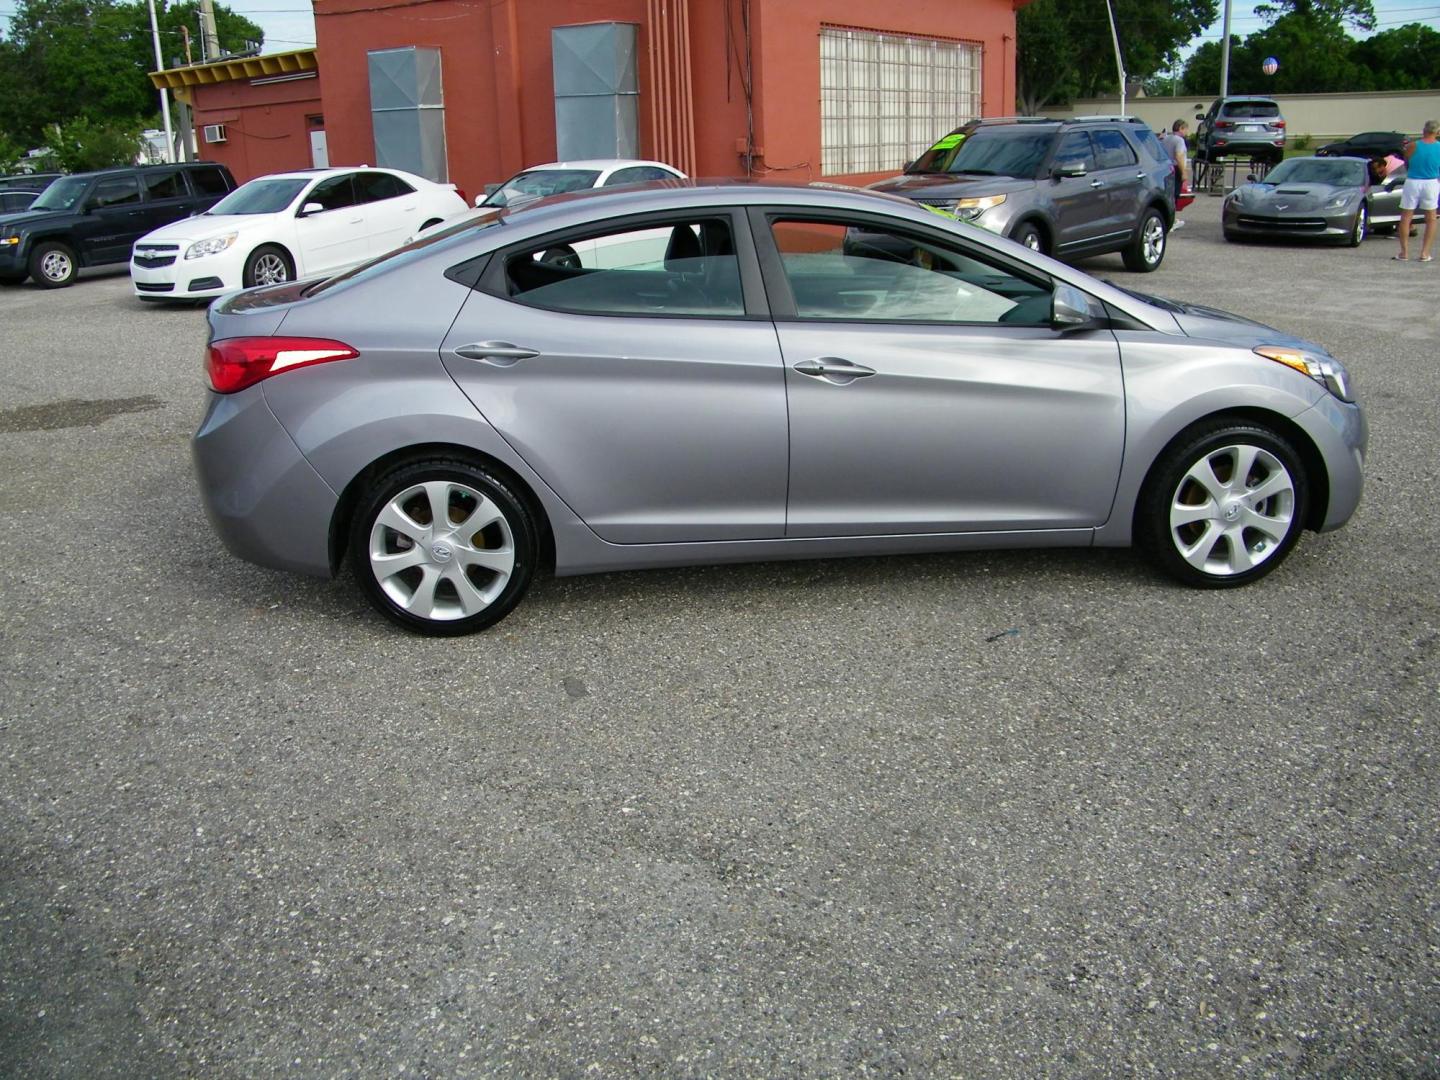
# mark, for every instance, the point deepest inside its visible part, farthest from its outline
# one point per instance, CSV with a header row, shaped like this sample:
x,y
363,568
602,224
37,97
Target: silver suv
x,y
1244,127
1069,188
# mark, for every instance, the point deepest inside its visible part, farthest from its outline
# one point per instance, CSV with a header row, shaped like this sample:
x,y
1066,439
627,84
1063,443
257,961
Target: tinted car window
x,y
374,186
1002,152
332,194
1076,149
1245,110
168,184
11,201
539,183
116,191
64,194
637,174
209,181
685,268
1112,151
848,273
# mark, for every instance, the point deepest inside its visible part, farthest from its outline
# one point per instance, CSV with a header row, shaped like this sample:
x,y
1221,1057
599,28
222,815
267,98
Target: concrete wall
x,y
1324,117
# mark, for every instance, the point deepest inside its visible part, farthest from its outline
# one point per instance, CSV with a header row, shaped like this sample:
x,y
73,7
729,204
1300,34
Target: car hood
x,y
1202,321
20,218
1292,198
924,187
201,226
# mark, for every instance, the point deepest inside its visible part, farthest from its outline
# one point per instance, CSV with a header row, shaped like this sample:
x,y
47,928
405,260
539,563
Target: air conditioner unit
x,y
215,133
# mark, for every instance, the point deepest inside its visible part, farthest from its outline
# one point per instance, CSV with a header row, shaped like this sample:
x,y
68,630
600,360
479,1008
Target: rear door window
x,y
374,186
209,181
1112,151
165,184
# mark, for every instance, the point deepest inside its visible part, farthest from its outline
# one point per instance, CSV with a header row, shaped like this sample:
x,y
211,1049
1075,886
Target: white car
x,y
287,226
561,176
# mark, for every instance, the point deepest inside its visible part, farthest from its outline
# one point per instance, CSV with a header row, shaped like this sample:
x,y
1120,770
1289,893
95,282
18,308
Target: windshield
x,y
992,152
64,194
260,197
471,223
539,183
1318,171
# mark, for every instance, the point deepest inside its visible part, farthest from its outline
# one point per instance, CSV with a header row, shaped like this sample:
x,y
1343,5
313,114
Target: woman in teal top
x,y
1422,190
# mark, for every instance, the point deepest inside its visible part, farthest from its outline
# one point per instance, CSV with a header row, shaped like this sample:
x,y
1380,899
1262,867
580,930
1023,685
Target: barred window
x,y
884,98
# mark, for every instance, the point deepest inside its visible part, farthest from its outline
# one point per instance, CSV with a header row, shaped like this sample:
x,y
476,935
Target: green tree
x,y
81,145
1064,48
1404,58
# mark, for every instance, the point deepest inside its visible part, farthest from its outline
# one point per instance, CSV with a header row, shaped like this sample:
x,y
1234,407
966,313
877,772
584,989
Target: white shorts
x,y
1420,195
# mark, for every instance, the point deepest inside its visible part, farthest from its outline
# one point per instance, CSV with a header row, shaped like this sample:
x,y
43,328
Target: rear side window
x,y
374,186
116,191
164,185
1250,110
638,174
682,268
1111,149
209,181
1149,143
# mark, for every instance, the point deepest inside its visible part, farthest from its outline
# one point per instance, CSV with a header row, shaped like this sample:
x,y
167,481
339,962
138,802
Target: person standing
x,y
1422,190
1175,148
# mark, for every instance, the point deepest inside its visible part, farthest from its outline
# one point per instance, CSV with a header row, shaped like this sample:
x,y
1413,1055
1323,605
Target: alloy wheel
x,y
270,269
1232,510
1152,240
56,265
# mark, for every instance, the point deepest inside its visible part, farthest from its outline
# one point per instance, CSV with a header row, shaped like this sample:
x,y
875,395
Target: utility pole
x,y
164,94
207,29
1225,53
1119,63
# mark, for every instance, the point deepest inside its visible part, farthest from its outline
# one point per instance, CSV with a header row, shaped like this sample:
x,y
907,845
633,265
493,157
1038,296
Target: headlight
x,y
966,209
213,246
1339,202
9,241
1325,370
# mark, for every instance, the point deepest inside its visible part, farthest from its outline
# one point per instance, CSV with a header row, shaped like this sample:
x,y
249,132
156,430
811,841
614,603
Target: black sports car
x,y
1368,144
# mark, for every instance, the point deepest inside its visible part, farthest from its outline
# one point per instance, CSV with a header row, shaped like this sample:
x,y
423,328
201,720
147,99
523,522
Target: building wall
x,y
266,125
498,86
1323,117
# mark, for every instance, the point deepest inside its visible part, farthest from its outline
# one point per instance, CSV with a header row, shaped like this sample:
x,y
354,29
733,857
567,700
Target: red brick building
x,y
470,93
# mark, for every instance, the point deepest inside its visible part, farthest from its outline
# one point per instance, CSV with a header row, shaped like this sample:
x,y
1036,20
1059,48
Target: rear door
x,y
649,395
392,209
1126,183
113,219
167,197
209,184
333,234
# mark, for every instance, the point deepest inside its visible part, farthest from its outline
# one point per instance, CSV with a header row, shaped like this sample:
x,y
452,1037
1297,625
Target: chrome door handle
x,y
502,353
834,367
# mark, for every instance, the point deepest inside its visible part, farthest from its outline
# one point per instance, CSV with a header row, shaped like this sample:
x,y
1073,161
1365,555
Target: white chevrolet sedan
x,y
286,226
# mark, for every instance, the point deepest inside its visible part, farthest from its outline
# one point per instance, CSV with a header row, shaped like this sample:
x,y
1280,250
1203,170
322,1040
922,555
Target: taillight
x,y
1279,123
234,363
1221,125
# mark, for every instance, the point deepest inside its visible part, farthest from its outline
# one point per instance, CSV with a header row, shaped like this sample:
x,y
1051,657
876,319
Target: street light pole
x,y
164,94
1225,53
1119,63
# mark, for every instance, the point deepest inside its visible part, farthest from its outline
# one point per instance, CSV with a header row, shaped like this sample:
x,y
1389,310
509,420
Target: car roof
x,y
599,164
338,170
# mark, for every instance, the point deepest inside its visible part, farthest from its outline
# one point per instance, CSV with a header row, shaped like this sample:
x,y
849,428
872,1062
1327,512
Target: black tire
x,y
53,265
1265,526
1146,250
268,264
1028,234
435,582
1360,227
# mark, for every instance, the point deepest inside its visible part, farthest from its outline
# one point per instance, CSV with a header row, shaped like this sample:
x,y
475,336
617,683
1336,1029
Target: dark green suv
x,y
92,219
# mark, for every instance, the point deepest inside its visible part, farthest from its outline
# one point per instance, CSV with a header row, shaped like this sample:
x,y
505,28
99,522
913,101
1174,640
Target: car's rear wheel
x,y
443,547
1029,235
269,264
52,265
1360,226
1147,248
1224,505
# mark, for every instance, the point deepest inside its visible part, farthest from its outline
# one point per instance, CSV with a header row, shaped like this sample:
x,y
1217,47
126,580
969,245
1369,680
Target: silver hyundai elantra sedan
x,y
707,373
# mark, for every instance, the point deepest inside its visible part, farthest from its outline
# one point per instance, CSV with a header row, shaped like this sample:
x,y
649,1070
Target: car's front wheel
x,y
268,264
1147,249
1360,227
52,265
1224,505
443,547
1029,235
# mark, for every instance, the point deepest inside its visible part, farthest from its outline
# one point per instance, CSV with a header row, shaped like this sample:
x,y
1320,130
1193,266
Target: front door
x,y
928,393
635,379
333,235
114,219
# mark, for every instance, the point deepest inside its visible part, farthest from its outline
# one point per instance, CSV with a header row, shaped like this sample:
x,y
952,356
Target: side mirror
x,y
1068,169
311,208
1070,309
906,166
1251,178
1199,116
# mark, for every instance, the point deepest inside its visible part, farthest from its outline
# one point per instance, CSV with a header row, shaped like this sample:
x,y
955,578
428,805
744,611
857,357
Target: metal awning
x,y
239,67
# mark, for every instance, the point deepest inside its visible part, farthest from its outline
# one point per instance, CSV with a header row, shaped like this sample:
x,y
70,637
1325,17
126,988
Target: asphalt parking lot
x,y
1006,815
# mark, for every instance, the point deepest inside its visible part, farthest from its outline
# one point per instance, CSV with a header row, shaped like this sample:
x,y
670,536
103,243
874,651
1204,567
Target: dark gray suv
x,y
1242,127
1068,188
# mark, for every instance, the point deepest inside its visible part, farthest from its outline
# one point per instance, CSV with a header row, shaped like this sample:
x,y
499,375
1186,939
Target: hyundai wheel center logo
x,y
1231,513
441,552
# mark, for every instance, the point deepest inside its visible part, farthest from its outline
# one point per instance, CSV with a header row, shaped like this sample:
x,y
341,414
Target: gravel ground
x,y
1005,815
